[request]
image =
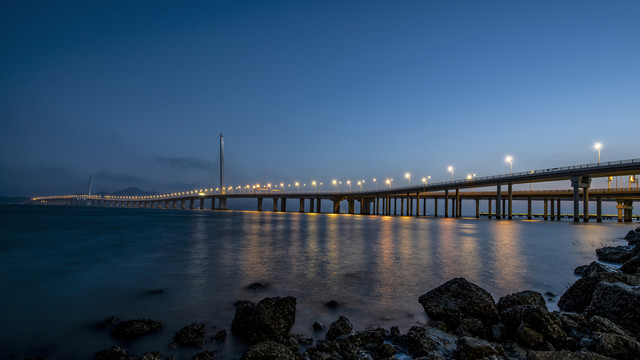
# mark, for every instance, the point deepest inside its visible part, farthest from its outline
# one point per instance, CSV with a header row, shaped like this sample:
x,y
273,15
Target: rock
x,y
191,335
521,298
472,348
113,353
340,327
459,299
268,350
617,346
604,325
633,237
564,355
332,304
617,254
108,323
132,329
205,355
536,318
394,331
592,269
153,355
579,295
430,342
473,328
220,336
317,326
270,319
528,337
619,303
631,266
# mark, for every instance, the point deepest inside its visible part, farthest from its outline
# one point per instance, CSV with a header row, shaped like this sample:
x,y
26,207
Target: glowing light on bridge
x,y
509,159
408,176
598,146
450,169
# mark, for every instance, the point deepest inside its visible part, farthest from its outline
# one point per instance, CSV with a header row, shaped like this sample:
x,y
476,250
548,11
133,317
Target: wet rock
x,y
617,346
528,337
521,298
332,304
522,318
617,254
205,355
631,266
268,350
113,353
564,355
153,355
619,303
633,237
394,331
603,325
471,348
592,269
459,299
579,295
473,328
370,336
132,329
191,335
270,319
108,323
430,342
317,326
340,327
220,336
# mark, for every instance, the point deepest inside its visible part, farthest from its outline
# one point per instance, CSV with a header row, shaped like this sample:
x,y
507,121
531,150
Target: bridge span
x,y
451,193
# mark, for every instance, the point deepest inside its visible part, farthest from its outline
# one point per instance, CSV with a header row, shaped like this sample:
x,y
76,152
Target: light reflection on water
x,y
71,267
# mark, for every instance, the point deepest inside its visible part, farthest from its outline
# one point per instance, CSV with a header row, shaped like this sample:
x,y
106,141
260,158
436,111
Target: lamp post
x,y
349,183
297,186
282,187
335,184
314,186
360,184
509,159
388,181
425,179
376,181
598,146
450,169
408,176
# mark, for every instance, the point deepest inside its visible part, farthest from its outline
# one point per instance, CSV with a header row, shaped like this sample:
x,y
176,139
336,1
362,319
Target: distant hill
x,y
13,200
132,191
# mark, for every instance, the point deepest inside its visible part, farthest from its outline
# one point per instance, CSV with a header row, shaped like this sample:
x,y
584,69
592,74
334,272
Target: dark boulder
x,y
268,350
565,355
617,254
270,319
430,342
631,266
592,269
317,326
191,335
603,325
470,348
579,295
340,327
113,353
459,299
153,355
633,237
220,336
617,346
205,355
529,320
618,302
132,329
527,297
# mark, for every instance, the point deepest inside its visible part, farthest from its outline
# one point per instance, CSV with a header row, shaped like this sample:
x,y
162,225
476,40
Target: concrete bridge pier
x,y
424,206
545,216
599,209
283,204
351,209
401,206
458,211
510,197
446,203
318,208
578,182
553,210
191,204
311,207
182,203
336,206
259,204
529,208
489,201
477,208
417,204
559,213
275,204
201,203
174,204
625,210
301,209
222,203
498,199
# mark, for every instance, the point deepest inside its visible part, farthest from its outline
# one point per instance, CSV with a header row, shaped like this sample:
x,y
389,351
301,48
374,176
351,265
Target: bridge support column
x,y
498,199
417,204
275,204
375,205
182,204
453,207
401,206
336,206
559,213
395,206
222,203
351,208
213,203
504,208
489,201
174,204
435,206
457,207
311,207
408,207
283,204
510,197
628,211
388,205
553,210
477,208
301,209
529,208
424,206
544,216
446,203
190,204
585,204
578,182
201,203
599,209
318,208
259,204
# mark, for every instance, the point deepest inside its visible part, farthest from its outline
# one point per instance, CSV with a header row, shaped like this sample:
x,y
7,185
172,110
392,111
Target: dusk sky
x,y
137,92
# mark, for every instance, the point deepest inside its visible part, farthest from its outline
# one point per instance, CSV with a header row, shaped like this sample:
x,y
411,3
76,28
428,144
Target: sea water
x,y
65,269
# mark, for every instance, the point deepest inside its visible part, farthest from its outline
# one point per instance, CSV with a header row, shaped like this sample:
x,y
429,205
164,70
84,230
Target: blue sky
x,y
137,92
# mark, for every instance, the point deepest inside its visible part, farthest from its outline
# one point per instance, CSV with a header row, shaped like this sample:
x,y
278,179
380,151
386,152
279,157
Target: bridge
x,y
406,201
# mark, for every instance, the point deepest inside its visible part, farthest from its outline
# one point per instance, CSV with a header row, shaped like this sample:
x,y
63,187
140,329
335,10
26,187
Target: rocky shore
x,y
599,318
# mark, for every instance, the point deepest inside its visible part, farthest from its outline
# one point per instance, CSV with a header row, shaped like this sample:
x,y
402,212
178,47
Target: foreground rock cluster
x,y
599,319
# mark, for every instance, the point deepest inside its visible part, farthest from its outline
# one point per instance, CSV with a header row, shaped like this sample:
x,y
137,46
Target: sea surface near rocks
x,y
63,269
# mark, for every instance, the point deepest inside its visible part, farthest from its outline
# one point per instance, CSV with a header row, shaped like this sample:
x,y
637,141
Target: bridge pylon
x,y
222,201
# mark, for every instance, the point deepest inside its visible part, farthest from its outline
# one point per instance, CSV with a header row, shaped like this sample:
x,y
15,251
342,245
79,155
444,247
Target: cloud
x,y
185,163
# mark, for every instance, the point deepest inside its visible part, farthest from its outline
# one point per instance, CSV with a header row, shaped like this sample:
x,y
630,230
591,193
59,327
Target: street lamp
x,y
598,146
297,186
388,183
375,181
408,176
349,183
425,179
509,159
269,186
450,169
282,187
469,177
360,184
335,184
314,185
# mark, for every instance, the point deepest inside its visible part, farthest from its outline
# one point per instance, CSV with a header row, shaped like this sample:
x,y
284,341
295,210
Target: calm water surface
x,y
64,269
